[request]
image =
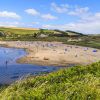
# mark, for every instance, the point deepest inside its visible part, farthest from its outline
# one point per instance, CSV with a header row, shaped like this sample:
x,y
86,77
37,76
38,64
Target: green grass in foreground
x,y
77,83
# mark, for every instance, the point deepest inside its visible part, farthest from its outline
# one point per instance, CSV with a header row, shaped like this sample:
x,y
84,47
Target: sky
x,y
76,15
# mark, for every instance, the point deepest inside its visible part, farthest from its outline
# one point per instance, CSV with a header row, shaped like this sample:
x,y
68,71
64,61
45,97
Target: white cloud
x,y
93,17
87,22
43,16
17,24
6,14
70,10
32,12
11,24
79,11
48,17
60,9
88,25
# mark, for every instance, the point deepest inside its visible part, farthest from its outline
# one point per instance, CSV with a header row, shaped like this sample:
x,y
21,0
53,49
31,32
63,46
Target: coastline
x,y
54,55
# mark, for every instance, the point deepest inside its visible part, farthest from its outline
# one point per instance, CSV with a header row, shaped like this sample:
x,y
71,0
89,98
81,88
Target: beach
x,y
54,53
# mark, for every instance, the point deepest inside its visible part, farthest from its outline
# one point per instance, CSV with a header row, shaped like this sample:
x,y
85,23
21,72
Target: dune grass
x,y
77,83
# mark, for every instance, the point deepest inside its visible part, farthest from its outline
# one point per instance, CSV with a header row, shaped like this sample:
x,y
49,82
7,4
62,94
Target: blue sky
x,y
77,15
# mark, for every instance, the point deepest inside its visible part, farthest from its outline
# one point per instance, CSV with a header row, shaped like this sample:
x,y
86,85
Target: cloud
x,y
59,9
43,16
88,25
17,24
93,17
6,14
48,17
70,10
87,21
79,11
32,12
11,24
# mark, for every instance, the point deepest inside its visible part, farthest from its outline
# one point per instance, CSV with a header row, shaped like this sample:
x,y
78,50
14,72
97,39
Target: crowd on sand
x,y
54,53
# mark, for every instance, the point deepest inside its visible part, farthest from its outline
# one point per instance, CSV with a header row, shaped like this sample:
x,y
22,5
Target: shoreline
x,y
50,56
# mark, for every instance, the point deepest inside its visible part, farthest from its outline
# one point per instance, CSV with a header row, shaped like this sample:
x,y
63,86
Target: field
x,y
21,31
77,83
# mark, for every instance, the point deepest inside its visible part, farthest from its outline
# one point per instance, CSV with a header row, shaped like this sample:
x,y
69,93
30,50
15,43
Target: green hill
x,y
29,31
73,33
21,31
77,83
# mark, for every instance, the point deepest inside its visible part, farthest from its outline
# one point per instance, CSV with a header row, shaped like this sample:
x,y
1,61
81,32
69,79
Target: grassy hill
x,y
77,83
21,31
73,33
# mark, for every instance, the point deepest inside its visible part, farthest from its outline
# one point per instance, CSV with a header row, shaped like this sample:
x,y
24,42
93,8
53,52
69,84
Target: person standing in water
x,y
6,63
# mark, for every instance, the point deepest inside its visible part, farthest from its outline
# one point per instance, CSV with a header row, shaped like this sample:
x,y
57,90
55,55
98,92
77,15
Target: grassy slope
x,y
89,41
77,83
21,31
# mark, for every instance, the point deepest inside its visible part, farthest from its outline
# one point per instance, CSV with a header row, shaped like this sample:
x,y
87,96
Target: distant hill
x,y
69,33
73,33
21,28
23,31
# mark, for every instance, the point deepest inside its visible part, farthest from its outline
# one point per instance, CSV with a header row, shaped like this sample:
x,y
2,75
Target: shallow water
x,y
11,71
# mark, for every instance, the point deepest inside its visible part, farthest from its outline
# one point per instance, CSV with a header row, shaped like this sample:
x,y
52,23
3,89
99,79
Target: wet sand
x,y
54,53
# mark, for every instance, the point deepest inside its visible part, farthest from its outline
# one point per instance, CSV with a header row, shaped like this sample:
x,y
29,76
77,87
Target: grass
x,y
88,41
77,83
21,31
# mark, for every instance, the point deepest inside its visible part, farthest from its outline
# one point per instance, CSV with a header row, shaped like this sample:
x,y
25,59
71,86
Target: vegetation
x,y
89,41
9,34
23,34
22,31
77,83
73,33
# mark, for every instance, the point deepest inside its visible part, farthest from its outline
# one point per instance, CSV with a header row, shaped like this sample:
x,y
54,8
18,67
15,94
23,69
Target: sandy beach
x,y
54,53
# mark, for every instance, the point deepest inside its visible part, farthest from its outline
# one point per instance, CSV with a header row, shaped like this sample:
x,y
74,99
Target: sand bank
x,y
54,53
